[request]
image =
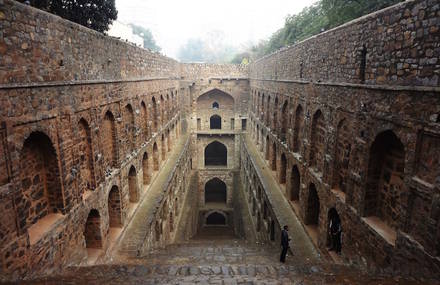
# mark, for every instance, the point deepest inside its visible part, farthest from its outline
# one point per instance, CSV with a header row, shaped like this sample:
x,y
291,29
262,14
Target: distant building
x,y
125,32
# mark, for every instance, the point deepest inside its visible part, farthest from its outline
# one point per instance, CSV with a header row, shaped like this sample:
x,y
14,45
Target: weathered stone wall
x,y
399,46
206,71
86,122
40,47
363,149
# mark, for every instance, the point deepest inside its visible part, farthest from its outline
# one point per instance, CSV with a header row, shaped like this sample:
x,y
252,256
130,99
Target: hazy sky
x,y
172,22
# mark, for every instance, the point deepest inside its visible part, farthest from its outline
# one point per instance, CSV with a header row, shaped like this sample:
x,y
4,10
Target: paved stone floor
x,y
221,261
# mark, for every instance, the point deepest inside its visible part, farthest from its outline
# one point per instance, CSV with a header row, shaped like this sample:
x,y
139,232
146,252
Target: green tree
x,y
323,15
146,34
94,14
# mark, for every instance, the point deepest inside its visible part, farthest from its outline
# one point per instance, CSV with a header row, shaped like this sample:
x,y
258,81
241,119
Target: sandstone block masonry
x,y
349,119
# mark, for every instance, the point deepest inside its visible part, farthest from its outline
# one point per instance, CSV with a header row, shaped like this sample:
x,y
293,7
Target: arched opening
x,y
162,107
267,153
157,230
155,157
171,221
85,157
313,206
272,230
130,130
334,230
168,141
317,141
273,161
342,156
216,154
92,232
262,108
215,191
144,119
145,170
284,118
215,122
268,112
133,192
283,168
155,114
295,182
215,105
299,119
108,141
40,180
258,222
275,115
385,187
114,208
163,147
216,219
258,134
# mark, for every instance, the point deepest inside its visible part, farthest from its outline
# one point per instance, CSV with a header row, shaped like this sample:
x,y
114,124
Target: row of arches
x,y
384,191
41,180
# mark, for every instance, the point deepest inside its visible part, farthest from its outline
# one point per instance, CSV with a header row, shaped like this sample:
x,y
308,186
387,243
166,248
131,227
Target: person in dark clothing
x,y
335,233
284,243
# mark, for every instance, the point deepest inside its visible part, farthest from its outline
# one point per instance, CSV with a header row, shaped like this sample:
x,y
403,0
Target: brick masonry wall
x,y
401,45
40,47
366,148
77,115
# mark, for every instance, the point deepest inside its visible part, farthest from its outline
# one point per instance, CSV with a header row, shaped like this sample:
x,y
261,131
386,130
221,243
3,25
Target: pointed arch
x,y
108,141
215,191
216,154
114,208
298,128
145,169
86,175
92,231
215,122
283,169
295,183
384,196
155,157
128,118
133,191
317,143
284,121
40,180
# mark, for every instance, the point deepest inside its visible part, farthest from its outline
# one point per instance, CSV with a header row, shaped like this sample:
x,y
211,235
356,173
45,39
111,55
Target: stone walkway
x,y
218,262
301,243
137,229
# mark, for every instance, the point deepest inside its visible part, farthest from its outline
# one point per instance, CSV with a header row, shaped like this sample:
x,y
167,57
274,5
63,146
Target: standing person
x,y
284,243
336,232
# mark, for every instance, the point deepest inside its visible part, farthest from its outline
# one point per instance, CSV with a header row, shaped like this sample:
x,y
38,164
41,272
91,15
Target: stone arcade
x,y
111,153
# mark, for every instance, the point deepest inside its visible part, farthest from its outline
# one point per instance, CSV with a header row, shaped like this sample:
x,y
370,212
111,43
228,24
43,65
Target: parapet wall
x,y
190,71
401,48
40,47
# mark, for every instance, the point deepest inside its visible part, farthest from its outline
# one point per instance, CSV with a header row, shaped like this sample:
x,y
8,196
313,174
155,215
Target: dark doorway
x,y
216,219
215,191
312,217
215,122
272,230
216,154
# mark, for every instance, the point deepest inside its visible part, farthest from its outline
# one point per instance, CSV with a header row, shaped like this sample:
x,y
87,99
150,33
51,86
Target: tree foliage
x,y
146,34
321,16
94,14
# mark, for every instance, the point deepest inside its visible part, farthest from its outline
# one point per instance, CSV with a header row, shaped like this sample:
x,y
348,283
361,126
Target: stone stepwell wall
x,y
402,46
40,47
190,71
